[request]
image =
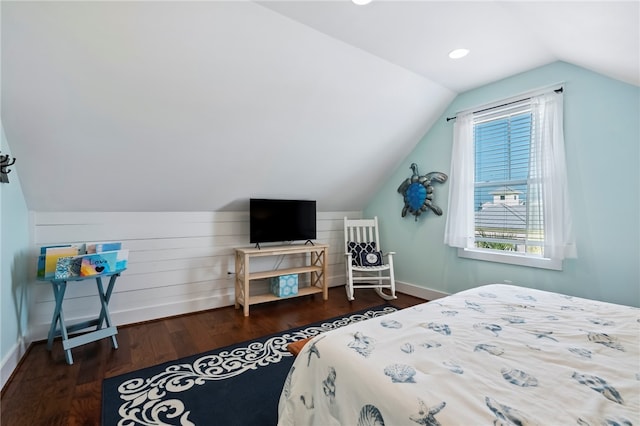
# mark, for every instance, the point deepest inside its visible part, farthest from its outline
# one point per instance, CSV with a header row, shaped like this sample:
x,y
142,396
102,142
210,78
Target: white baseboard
x,y
10,362
40,331
411,290
172,309
417,291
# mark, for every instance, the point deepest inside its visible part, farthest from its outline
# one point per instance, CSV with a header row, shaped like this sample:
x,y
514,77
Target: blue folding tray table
x,y
103,326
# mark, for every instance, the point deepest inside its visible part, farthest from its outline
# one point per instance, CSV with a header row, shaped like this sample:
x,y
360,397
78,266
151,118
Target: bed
x,y
497,354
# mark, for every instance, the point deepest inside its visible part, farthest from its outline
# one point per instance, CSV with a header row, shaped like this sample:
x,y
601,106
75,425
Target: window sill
x,y
511,259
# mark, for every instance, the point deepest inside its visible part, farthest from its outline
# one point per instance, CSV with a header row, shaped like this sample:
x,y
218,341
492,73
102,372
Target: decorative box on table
x,y
285,285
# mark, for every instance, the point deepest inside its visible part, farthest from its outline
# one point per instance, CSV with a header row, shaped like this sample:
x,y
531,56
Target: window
x,y
507,197
502,145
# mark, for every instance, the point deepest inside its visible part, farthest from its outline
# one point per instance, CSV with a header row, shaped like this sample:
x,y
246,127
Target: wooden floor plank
x,y
46,391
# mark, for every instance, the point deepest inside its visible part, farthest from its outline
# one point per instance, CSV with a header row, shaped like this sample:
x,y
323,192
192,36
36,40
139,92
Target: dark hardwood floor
x,y
44,390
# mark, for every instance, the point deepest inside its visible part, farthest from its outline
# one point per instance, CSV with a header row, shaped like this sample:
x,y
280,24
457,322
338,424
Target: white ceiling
x,y
505,37
169,106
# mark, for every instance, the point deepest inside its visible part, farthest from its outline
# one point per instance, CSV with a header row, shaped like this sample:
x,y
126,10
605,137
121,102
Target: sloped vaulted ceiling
x,y
169,106
154,106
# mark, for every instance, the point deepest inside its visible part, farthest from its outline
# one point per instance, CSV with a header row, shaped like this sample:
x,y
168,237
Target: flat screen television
x,y
272,220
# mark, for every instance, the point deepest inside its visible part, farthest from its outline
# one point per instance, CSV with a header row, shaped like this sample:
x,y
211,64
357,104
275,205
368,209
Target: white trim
x,y
511,258
148,313
418,291
406,288
11,361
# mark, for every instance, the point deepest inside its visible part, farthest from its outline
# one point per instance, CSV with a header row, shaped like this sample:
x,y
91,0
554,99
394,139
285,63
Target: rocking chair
x,y
367,266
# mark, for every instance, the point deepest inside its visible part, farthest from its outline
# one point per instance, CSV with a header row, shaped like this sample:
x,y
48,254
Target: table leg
x,y
58,294
236,279
107,296
325,288
104,302
58,316
245,285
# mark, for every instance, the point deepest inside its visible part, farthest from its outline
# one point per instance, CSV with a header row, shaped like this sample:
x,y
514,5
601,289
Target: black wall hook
x,y
5,162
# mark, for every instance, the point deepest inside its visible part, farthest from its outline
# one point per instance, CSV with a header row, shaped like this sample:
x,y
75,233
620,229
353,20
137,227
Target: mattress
x,y
496,354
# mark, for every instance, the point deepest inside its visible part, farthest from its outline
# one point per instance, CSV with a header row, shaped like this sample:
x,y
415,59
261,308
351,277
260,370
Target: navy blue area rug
x,y
235,385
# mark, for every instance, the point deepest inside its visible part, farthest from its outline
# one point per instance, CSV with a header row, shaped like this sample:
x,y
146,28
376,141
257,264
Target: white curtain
x,y
549,174
460,225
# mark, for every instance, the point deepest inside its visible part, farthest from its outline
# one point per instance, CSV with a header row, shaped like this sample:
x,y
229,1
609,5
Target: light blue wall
x,y
14,246
602,137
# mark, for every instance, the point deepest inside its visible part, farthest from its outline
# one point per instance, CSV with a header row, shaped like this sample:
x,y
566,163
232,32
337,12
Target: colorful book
x,y
66,261
43,249
98,263
103,246
42,258
122,259
66,267
52,254
41,265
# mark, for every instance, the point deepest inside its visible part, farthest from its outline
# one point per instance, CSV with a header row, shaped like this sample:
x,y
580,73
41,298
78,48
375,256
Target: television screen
x,y
273,220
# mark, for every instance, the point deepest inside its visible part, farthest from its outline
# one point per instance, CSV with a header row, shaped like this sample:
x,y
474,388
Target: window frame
x,y
511,258
494,255
488,124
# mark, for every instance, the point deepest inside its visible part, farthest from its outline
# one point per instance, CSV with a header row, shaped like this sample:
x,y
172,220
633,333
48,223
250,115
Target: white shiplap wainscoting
x,y
179,262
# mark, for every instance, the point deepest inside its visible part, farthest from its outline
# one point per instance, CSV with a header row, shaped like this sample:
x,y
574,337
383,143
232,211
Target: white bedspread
x,y
496,354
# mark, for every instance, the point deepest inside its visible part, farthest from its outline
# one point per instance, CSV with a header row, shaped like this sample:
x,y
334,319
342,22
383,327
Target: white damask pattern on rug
x,y
147,399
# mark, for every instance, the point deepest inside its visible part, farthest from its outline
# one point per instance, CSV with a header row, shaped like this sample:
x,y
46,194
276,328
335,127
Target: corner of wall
x,y
14,270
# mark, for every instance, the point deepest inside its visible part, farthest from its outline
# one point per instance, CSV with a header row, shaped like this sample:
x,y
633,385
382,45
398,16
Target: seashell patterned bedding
x,y
496,354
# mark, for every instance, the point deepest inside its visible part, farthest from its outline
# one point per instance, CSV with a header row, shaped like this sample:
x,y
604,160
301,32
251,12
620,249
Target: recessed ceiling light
x,y
458,53
361,2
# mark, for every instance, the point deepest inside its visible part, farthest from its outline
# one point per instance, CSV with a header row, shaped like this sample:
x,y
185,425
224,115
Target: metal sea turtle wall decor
x,y
417,192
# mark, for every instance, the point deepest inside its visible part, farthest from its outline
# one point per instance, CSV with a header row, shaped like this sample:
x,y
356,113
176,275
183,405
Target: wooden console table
x,y
316,267
103,325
